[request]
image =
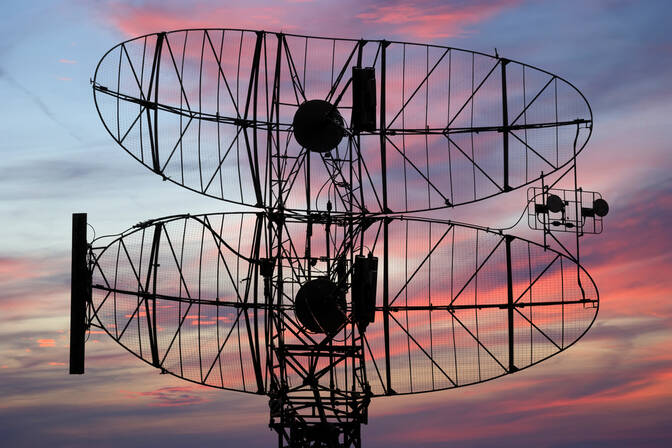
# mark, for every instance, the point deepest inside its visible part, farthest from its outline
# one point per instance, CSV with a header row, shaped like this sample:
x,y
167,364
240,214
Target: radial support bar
x,y
79,294
505,125
151,279
386,307
153,125
253,98
510,302
383,125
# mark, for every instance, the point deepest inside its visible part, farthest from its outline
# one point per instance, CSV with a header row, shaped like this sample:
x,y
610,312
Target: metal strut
x,y
154,88
80,293
151,278
510,302
505,125
310,406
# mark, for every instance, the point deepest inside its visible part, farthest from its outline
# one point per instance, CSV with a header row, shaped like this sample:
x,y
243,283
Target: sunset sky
x,y
614,388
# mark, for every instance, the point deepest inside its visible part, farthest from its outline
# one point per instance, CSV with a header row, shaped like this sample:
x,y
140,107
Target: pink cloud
x,y
433,21
419,20
171,396
67,61
652,385
16,269
135,21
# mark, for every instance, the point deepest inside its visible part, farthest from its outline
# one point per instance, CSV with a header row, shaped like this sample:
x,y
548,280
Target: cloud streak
x,y
613,388
41,105
430,19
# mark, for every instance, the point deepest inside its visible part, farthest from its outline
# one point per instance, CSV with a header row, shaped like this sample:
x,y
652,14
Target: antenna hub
x,y
555,203
318,126
320,306
601,207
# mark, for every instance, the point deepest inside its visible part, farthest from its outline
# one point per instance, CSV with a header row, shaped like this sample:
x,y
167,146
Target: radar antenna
x,y
336,288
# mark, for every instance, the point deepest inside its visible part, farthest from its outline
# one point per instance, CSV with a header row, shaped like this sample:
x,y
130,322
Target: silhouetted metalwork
x,y
329,294
212,110
563,210
80,297
213,324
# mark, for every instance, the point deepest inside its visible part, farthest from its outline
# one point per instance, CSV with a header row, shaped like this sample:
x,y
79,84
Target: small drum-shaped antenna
x,y
601,207
555,204
318,126
320,306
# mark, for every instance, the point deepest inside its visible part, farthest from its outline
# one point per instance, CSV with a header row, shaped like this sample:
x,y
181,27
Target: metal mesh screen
x,y
175,288
212,110
190,302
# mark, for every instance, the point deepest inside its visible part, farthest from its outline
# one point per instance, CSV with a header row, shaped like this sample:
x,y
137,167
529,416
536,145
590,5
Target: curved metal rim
x,y
171,218
131,231
597,308
579,150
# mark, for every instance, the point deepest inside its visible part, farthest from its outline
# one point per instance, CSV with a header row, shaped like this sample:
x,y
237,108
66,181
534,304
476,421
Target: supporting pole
x,y
383,126
386,308
510,304
154,88
505,125
252,97
578,196
79,293
253,338
151,279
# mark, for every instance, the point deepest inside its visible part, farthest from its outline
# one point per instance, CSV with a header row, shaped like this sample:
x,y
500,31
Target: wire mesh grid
x,y
192,303
212,110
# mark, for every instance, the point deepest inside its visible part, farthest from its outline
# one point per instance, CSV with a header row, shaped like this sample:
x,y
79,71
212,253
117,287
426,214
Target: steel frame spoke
x,y
522,112
537,278
485,260
427,257
473,93
539,329
478,341
221,72
423,350
429,182
533,150
475,165
424,80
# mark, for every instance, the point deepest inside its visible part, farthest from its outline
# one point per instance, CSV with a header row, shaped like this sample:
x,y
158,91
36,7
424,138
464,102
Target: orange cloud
x,y
203,322
46,342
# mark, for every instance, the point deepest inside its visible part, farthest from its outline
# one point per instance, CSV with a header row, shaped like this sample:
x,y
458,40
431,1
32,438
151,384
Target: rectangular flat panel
x,y
78,294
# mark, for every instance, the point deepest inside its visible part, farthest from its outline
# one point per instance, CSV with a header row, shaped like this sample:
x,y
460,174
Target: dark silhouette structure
x,y
338,285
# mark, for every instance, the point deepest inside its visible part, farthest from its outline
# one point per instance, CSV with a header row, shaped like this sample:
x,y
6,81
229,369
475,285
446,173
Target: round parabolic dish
x,y
212,110
191,303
